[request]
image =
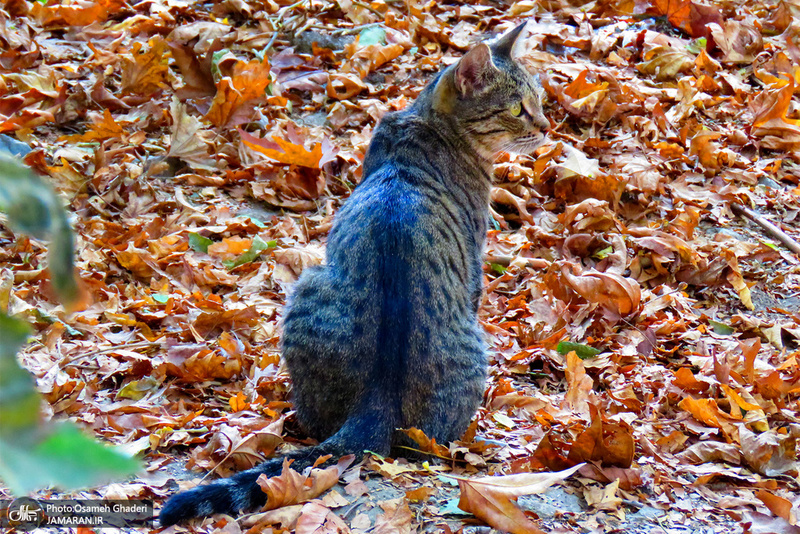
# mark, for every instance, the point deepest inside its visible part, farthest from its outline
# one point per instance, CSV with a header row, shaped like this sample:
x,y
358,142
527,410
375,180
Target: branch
x,y
770,228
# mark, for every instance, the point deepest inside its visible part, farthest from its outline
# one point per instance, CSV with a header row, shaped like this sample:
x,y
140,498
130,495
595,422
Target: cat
x,y
385,335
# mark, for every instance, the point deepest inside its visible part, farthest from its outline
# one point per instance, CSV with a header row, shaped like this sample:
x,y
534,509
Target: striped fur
x,y
386,334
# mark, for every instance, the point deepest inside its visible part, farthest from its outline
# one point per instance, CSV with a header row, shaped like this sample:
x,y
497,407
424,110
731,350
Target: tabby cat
x,y
386,334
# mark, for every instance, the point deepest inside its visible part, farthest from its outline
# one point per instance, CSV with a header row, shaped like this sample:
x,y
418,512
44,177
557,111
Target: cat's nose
x,y
541,121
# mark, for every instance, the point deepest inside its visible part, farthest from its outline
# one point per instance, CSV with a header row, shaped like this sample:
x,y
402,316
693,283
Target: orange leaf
x,y
344,86
771,123
289,153
238,402
78,13
427,444
704,410
687,15
777,505
236,95
685,380
579,385
144,73
422,493
230,247
107,128
676,11
617,294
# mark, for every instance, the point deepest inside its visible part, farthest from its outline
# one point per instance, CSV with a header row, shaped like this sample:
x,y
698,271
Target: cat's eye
x,y
515,109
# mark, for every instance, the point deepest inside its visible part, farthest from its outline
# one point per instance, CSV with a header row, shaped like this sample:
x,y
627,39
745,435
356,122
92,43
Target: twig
x,y
428,453
139,345
368,7
770,228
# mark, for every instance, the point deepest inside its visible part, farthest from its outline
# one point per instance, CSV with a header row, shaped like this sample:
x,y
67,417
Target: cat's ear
x,y
504,45
474,70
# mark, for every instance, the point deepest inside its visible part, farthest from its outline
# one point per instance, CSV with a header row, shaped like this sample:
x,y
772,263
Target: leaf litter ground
x,y
203,149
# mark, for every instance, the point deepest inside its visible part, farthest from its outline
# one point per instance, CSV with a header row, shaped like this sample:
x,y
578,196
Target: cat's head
x,y
496,101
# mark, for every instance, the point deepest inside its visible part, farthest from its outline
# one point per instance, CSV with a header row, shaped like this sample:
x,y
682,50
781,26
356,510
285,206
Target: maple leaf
x,y
236,94
284,151
145,72
105,128
687,15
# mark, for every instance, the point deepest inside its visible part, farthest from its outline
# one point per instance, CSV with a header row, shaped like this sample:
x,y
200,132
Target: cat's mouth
x,y
530,142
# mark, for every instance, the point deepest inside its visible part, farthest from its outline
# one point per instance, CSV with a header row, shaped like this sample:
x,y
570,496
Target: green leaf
x,y
584,352
504,420
372,35
161,299
34,209
720,328
66,458
258,246
138,389
199,243
499,269
19,402
257,222
697,45
602,254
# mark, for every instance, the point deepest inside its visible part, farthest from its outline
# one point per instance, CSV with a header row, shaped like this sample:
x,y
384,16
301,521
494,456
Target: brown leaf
x,y
740,42
366,59
491,499
620,296
609,443
189,138
290,487
770,122
317,519
395,519
344,86
666,63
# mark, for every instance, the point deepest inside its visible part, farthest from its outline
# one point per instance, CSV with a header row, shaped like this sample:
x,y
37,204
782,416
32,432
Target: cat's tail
x,y
367,429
